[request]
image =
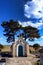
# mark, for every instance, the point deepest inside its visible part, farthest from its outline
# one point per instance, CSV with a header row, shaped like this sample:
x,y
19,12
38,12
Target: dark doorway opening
x,y
20,51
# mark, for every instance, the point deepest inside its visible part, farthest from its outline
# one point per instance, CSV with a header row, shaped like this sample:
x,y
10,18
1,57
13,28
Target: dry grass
x,y
6,48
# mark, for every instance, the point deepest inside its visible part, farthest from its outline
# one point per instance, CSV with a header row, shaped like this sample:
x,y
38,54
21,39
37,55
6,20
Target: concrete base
x,y
21,61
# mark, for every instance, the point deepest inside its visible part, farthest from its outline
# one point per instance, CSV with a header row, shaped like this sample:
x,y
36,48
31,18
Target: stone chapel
x,y
20,48
20,53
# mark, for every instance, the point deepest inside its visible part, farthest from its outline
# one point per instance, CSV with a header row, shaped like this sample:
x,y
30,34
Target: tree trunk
x,y
13,37
25,36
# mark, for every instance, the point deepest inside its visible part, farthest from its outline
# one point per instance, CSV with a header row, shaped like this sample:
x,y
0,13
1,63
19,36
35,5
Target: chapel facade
x,y
20,48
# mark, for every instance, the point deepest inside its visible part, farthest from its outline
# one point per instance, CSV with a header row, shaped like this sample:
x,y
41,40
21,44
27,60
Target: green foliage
x,y
1,47
38,62
31,33
36,46
11,27
11,46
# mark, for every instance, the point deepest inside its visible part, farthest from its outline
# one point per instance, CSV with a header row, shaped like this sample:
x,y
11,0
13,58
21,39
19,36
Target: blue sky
x,y
27,12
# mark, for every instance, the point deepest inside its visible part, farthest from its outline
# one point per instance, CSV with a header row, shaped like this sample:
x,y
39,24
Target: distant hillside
x,y
6,48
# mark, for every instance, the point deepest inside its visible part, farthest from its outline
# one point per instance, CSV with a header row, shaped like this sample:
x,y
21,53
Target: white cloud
x,y
29,23
34,8
42,37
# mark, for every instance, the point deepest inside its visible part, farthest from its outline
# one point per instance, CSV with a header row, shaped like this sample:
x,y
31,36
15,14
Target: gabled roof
x,y
20,39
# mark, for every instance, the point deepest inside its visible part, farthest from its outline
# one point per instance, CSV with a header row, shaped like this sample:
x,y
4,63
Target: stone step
x,y
18,61
21,61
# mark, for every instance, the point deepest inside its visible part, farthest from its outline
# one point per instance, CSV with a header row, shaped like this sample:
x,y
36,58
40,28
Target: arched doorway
x,y
20,51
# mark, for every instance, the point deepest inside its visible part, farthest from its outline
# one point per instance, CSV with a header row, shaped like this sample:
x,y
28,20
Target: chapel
x,y
20,48
20,53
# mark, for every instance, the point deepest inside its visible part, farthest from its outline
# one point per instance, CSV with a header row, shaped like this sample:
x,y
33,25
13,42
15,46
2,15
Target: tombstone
x,y
41,56
20,48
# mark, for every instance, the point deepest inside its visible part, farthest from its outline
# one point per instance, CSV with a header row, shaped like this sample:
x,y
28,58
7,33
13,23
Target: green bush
x,y
36,46
38,62
1,47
